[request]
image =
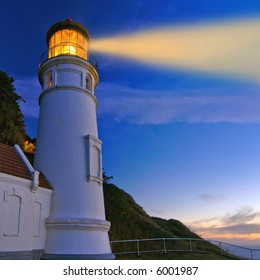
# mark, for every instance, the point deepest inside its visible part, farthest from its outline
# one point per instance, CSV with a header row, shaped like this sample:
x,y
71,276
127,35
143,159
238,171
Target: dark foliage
x,y
12,127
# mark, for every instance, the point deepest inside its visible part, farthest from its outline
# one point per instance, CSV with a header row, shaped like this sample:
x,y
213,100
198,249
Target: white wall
x,y
22,214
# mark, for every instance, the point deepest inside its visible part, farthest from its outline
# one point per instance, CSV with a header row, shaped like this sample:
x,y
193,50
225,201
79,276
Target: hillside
x,y
130,221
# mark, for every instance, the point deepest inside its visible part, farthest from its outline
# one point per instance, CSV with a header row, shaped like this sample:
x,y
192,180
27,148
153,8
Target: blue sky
x,y
184,142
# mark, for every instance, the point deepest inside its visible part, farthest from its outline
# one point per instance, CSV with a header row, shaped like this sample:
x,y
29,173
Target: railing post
x,y
164,246
252,257
220,246
138,249
191,249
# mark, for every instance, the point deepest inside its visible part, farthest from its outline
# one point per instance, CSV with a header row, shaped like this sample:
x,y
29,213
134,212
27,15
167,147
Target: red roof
x,y
43,182
11,163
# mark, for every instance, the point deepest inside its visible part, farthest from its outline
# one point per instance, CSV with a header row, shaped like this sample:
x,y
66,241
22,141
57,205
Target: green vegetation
x,y
12,127
129,221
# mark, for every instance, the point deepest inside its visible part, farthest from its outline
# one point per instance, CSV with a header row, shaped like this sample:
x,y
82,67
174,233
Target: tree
x,y
106,178
12,127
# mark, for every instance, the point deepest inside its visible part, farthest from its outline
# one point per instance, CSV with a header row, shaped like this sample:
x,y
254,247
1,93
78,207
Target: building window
x,y
94,159
12,213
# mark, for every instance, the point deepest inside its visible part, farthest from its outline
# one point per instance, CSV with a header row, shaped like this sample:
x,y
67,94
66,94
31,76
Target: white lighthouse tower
x,y
68,150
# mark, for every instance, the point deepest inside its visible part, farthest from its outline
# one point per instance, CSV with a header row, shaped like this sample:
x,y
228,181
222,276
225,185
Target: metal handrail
x,y
225,248
91,59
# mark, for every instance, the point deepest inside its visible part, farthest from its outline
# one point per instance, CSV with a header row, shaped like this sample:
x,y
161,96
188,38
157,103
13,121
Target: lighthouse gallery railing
x,y
88,56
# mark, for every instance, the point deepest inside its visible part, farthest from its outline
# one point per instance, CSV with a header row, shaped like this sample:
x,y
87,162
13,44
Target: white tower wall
x,y
69,153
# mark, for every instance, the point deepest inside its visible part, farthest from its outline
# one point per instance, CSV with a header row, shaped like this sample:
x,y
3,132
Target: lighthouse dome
x,y
68,38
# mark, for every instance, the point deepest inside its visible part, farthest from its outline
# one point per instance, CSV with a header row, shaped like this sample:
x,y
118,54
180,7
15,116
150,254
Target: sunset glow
x,y
241,225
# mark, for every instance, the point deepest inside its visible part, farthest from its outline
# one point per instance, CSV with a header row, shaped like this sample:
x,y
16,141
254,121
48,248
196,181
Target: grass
x,y
129,221
175,256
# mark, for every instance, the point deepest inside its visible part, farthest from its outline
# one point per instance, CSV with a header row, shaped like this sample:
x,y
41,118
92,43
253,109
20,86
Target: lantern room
x,y
68,38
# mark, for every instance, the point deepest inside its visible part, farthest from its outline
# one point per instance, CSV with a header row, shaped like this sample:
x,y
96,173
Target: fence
x,y
243,252
167,245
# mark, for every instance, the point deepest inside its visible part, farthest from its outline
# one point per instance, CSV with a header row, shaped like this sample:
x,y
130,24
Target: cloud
x,y
244,222
148,106
242,216
200,105
209,197
241,229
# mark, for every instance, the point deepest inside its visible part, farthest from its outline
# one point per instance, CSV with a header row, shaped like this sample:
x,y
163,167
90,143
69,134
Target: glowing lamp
x,y
68,38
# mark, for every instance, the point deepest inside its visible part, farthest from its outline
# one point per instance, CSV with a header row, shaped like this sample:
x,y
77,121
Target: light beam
x,y
230,47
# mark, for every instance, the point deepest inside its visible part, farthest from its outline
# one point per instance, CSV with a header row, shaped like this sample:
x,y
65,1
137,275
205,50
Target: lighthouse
x,y
68,150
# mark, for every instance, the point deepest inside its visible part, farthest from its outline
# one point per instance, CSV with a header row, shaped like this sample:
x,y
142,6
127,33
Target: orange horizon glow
x,y
231,236
241,225
210,233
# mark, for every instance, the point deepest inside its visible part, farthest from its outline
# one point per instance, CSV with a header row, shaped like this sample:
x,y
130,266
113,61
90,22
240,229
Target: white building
x,y
25,197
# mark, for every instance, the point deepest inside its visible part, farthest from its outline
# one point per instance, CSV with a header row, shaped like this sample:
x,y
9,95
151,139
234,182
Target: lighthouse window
x,y
88,83
57,38
57,49
65,35
81,51
73,36
50,79
80,39
68,42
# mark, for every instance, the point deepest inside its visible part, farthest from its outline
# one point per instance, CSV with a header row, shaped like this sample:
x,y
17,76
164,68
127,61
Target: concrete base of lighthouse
x,y
77,239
